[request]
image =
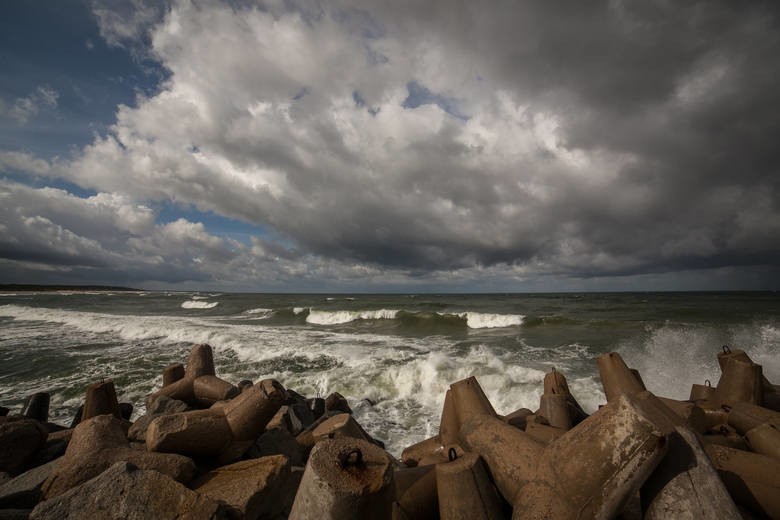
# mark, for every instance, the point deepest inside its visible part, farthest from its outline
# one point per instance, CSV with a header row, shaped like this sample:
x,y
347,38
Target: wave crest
x,y
195,304
338,317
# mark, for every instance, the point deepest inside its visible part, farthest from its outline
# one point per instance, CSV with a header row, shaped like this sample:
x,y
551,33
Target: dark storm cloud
x,y
447,141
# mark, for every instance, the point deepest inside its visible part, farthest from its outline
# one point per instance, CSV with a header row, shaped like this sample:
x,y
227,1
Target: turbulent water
x,y
392,356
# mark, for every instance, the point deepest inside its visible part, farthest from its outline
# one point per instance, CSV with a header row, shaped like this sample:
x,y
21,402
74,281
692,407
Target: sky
x,y
406,146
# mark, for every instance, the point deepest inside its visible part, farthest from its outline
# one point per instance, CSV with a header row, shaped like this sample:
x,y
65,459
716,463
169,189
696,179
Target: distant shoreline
x,y
54,288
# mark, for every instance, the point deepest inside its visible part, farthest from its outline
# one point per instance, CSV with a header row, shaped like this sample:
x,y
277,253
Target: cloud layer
x,y
429,141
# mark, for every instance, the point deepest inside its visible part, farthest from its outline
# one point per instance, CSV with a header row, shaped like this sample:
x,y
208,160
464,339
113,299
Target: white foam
x,y
299,310
259,310
194,304
672,357
338,317
480,320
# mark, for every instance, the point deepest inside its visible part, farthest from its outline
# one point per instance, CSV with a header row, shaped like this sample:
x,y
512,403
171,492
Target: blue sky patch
x,y
421,95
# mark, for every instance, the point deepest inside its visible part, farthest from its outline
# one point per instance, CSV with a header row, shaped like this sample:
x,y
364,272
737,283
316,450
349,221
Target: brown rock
x,y
20,438
24,491
98,443
127,492
257,488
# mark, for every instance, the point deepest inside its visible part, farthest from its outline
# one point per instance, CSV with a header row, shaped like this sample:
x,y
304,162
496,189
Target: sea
x,y
392,356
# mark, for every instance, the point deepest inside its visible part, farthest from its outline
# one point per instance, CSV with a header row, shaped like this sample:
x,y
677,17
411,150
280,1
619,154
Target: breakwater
x,y
208,447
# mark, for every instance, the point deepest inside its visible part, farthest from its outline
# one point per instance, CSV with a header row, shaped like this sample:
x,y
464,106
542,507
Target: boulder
x,y
20,438
98,443
24,491
127,492
250,489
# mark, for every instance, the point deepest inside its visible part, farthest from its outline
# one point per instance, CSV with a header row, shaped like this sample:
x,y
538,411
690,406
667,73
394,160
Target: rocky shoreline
x,y
208,448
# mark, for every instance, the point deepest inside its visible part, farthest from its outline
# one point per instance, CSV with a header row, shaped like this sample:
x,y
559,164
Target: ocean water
x,y
392,356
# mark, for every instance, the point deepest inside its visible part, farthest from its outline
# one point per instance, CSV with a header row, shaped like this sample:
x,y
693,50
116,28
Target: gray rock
x,y
24,491
124,491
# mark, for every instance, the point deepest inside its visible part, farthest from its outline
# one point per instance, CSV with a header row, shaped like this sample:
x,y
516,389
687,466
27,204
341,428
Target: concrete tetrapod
x,y
100,400
415,493
36,406
199,364
345,478
590,471
210,432
752,479
412,454
739,382
765,439
728,354
465,491
616,378
685,485
511,454
555,408
745,416
464,399
555,383
172,373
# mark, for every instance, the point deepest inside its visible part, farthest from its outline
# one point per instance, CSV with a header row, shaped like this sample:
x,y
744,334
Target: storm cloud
x,y
447,142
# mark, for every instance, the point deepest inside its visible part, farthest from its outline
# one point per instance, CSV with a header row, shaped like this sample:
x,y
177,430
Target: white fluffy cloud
x,y
435,142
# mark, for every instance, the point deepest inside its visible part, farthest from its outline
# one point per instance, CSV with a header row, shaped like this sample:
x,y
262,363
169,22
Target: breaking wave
x,y
472,320
195,304
338,317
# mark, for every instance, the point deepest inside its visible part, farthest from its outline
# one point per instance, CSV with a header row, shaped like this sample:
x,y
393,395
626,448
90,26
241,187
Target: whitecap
x,y
482,320
195,304
338,317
